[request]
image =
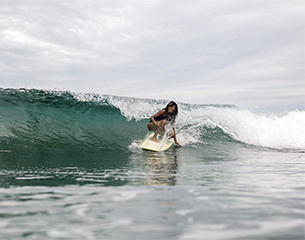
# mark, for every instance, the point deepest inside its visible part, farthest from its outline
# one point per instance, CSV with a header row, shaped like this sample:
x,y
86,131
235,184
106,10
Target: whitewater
x,y
72,167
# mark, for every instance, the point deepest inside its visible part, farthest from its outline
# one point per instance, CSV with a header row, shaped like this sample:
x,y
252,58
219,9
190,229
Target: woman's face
x,y
171,109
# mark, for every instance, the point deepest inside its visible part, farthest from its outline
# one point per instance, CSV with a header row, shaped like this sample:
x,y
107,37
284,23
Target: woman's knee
x,y
151,126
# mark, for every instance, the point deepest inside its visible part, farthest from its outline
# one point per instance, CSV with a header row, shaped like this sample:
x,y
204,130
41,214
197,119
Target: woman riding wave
x,y
160,119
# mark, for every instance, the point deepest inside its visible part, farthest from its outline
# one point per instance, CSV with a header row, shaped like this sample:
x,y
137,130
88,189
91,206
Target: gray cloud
x,y
249,53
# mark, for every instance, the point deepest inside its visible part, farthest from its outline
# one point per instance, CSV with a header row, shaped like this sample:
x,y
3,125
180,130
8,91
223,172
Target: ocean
x,y
72,167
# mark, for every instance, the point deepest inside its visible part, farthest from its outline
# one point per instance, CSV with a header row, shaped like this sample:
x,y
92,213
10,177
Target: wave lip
x,y
285,132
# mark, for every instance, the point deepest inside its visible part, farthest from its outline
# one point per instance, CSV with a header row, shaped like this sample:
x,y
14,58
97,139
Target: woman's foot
x,y
154,139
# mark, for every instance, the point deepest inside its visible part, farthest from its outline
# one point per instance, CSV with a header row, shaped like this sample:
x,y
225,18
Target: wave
x,y
43,121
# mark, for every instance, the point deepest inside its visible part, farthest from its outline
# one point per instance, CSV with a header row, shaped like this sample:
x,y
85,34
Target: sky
x,y
247,53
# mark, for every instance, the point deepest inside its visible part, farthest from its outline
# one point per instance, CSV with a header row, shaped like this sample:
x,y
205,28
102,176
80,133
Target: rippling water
x,y
241,193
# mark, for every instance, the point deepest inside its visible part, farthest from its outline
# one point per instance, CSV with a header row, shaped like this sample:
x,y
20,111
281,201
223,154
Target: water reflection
x,y
160,168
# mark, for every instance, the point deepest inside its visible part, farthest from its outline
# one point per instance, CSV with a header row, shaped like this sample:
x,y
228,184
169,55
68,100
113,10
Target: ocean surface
x,y
72,167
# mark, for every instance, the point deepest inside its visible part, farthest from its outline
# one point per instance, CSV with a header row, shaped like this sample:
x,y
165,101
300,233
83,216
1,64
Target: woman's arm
x,y
152,118
175,139
177,142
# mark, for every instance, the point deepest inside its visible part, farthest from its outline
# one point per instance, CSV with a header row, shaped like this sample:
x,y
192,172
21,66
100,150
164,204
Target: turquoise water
x,y
72,167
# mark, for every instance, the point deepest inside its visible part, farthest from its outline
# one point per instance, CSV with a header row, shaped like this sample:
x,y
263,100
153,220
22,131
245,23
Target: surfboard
x,y
164,143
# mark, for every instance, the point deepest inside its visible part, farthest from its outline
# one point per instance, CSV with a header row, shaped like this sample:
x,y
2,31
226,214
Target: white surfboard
x,y
164,143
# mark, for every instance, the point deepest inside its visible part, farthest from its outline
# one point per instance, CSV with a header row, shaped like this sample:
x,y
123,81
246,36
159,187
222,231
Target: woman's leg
x,y
151,126
172,134
157,128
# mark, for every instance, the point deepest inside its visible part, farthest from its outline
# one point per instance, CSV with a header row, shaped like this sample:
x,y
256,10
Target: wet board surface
x,y
164,143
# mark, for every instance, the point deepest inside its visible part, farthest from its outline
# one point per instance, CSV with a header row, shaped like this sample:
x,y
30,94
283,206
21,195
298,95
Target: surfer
x,y
160,119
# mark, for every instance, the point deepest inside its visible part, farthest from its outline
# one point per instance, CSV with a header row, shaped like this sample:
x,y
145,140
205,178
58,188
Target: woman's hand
x,y
158,123
177,142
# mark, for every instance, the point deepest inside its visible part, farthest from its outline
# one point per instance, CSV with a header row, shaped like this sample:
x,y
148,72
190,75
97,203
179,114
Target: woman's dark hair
x,y
175,113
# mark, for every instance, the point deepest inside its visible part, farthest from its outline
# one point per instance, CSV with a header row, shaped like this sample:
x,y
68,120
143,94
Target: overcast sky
x,y
248,53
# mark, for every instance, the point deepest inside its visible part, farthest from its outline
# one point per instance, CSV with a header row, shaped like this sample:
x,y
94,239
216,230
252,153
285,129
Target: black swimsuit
x,y
159,118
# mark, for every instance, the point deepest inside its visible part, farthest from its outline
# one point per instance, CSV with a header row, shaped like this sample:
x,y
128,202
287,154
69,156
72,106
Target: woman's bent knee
x,y
151,126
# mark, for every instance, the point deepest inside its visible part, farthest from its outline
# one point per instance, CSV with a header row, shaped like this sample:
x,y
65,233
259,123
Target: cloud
x,y
163,49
